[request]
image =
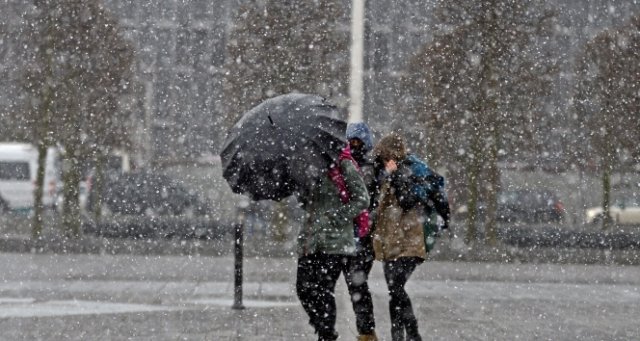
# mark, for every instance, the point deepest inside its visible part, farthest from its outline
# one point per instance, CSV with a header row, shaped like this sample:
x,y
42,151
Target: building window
x,y
201,9
165,48
127,9
183,95
183,48
199,48
218,45
162,94
380,51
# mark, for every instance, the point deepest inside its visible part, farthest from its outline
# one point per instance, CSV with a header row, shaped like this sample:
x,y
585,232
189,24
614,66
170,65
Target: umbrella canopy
x,y
282,146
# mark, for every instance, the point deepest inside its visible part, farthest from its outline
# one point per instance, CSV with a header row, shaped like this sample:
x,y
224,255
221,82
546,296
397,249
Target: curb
x,y
264,246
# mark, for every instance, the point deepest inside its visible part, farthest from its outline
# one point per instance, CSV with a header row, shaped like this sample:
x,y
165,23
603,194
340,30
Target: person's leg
x,y
307,288
408,316
357,276
390,273
330,271
317,276
397,273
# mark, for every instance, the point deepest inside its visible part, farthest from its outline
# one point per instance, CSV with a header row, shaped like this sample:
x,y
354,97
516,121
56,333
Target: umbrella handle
x,y
270,120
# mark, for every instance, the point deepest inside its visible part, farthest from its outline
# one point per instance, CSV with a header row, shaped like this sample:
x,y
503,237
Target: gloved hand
x,y
445,226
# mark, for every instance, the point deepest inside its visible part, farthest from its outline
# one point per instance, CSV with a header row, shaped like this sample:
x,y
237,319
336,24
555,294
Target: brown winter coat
x,y
397,233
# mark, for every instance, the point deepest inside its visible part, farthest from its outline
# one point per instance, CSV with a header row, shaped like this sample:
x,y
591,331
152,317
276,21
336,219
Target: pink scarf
x,y
362,219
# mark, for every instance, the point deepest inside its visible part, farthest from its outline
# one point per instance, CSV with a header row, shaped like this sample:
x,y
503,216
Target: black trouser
x,y
356,276
397,273
315,285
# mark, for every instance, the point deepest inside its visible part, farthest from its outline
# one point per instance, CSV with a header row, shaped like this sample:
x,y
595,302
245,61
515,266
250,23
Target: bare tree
x,y
40,85
475,84
279,47
607,100
79,67
284,46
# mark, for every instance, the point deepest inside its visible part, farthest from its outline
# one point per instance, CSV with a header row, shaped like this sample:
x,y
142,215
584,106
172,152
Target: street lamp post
x,y
357,47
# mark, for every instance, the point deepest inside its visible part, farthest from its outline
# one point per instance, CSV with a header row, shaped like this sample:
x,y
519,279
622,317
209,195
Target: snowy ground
x,y
128,297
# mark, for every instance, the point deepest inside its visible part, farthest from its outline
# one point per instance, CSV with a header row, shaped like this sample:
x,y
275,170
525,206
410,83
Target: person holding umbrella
x,y
326,241
399,236
359,266
294,144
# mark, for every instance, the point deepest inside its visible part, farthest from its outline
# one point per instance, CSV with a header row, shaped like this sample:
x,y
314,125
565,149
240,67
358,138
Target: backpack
x,y
427,188
424,182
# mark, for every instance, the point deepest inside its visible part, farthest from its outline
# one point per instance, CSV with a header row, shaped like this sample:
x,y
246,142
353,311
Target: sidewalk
x,y
143,297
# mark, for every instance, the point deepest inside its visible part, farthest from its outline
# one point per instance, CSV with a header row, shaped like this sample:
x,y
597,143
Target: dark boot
x,y
397,332
397,325
412,331
328,336
413,336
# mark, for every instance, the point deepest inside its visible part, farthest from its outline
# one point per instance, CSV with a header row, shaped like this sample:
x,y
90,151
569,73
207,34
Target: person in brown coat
x,y
398,237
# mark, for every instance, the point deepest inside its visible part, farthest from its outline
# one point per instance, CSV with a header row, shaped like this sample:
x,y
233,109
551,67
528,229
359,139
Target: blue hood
x,y
360,130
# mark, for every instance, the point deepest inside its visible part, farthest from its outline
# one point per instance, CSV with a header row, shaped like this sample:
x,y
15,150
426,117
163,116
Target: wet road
x,y
129,297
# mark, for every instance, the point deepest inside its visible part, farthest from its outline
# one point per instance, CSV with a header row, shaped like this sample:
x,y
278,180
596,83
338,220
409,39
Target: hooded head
x,y
359,132
390,147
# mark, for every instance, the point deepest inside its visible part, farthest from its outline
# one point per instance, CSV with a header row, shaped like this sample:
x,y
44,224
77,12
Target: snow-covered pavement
x,y
128,297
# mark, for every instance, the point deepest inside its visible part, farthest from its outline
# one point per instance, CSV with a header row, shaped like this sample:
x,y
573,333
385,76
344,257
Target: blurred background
x,y
530,109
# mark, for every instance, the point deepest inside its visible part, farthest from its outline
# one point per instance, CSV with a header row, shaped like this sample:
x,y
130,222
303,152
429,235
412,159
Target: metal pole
x,y
237,292
357,48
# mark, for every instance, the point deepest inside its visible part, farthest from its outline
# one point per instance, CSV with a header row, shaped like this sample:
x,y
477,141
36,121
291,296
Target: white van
x,y
18,169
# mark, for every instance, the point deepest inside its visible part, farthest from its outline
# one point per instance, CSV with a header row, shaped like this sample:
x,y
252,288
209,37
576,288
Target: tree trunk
x,y
473,191
491,129
98,184
606,193
38,192
41,131
71,209
491,236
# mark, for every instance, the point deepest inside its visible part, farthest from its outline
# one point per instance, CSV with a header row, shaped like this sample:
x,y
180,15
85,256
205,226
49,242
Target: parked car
x,y
524,205
18,171
535,206
145,193
147,204
623,211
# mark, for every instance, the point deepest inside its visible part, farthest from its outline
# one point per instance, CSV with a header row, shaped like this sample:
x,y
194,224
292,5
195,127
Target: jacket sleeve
x,y
358,196
439,198
402,185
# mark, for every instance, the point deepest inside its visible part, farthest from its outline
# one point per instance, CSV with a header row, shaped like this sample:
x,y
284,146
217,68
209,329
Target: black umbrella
x,y
282,146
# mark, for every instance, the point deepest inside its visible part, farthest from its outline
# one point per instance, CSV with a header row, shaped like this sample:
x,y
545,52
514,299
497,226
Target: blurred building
x,y
181,52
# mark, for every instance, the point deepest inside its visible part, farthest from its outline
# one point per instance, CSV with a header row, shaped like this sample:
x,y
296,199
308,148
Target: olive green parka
x,y
328,227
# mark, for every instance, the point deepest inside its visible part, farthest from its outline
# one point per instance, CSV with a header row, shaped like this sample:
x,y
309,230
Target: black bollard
x,y
237,292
